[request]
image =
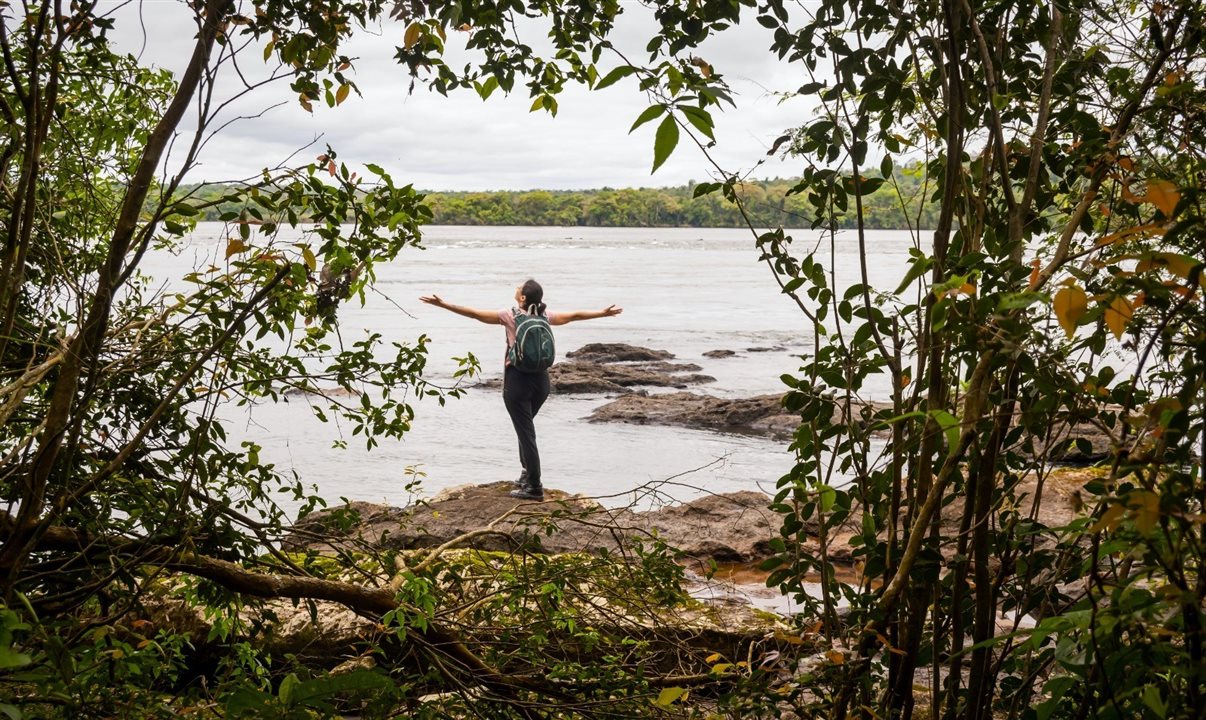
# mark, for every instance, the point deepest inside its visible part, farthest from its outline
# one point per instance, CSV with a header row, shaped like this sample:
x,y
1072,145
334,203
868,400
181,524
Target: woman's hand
x,y
433,300
611,310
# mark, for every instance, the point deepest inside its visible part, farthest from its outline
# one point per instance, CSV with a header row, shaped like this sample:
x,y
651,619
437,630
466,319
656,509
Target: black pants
x,y
523,394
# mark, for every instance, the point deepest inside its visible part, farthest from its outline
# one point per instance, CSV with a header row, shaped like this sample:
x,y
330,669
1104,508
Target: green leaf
x,y
651,112
700,118
1153,699
918,266
615,76
285,693
246,702
486,89
827,497
360,681
949,424
664,142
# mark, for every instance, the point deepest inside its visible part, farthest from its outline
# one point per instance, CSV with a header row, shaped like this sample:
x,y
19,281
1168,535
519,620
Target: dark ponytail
x,y
533,295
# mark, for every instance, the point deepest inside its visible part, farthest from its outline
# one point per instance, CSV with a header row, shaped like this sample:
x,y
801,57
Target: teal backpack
x,y
533,350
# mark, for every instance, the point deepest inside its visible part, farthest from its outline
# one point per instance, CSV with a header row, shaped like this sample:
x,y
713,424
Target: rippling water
x,y
687,291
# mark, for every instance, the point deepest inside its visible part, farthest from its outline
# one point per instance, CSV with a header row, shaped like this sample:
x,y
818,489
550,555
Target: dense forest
x,y
767,203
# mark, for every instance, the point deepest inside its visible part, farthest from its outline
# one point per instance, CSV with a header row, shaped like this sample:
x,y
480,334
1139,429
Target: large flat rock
x,y
614,368
733,527
760,415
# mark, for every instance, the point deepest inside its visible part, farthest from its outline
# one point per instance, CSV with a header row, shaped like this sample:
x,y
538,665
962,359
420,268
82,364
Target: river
x,y
685,290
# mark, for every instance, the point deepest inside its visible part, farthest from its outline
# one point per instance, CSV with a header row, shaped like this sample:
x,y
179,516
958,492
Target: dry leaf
x,y
1118,316
412,35
1070,304
1035,268
1109,519
235,246
1145,507
1163,195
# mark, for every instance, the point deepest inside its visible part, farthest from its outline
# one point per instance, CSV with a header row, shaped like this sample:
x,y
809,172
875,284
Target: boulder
x,y
616,368
760,415
617,352
720,354
590,377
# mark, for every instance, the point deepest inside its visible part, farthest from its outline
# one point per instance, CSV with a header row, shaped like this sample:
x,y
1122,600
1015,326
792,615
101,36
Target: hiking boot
x,y
528,492
522,481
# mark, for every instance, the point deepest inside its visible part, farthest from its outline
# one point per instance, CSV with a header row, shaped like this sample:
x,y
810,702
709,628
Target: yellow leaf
x,y
1180,265
537,104
968,289
308,256
788,638
1145,230
1109,519
1118,316
268,49
1146,509
1070,304
342,93
235,246
305,103
713,658
412,35
836,657
721,668
1163,195
669,695
1035,267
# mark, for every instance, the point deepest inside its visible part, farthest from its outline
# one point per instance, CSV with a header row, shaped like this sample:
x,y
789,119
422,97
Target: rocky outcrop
x,y
734,527
717,354
760,415
617,352
614,368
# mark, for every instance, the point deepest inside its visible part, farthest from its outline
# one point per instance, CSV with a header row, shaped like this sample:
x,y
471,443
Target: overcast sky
x,y
462,143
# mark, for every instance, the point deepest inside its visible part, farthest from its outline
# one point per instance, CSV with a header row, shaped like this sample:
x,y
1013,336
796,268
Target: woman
x,y
524,392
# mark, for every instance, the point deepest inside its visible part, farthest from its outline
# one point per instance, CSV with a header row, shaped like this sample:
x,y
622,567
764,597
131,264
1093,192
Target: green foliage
x,y
1059,167
1052,209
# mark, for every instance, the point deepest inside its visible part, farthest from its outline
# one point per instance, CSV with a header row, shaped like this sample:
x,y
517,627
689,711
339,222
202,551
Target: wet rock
x,y
617,352
720,353
589,377
773,348
614,368
761,415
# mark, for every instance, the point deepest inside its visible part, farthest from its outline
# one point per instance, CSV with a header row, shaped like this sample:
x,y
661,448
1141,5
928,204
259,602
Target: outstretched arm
x,y
562,318
486,316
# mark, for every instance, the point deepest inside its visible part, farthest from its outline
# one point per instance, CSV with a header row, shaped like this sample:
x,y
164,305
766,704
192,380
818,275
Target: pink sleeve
x,y
507,318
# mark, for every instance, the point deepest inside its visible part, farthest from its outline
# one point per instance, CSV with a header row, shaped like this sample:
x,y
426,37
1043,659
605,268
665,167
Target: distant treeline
x,y
767,202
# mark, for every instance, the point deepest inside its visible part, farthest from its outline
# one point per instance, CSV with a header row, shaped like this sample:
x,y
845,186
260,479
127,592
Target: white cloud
x,y
462,143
